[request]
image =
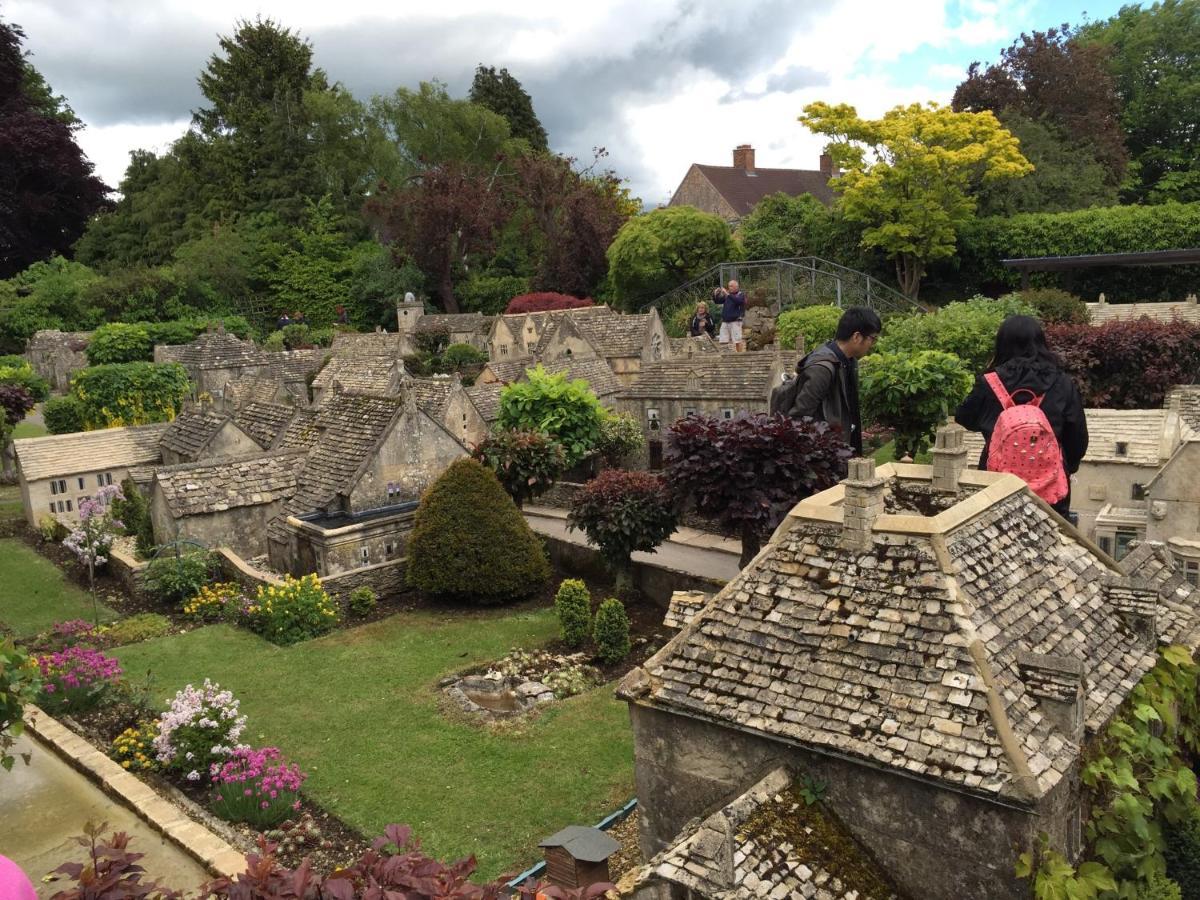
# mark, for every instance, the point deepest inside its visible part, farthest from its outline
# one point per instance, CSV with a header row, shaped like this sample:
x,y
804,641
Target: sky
x,y
659,84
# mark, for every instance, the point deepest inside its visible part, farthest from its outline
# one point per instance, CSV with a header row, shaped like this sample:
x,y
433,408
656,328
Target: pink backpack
x,y
1024,444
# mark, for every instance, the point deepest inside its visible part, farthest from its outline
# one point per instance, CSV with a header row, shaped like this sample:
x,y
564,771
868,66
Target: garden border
x,y
215,854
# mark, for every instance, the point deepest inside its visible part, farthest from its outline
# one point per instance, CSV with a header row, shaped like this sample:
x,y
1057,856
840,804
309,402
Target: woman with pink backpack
x,y
1030,413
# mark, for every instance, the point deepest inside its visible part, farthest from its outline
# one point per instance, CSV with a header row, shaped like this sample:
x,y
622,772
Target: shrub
x,y
76,678
134,514
818,324
118,342
137,628
294,611
567,411
458,357
469,540
546,301
134,393
912,393
133,748
1128,365
24,376
63,415
573,604
433,340
257,787
1160,887
967,329
620,437
622,512
489,294
215,602
15,403
274,342
176,332
200,727
19,684
50,529
526,462
173,579
362,601
1052,306
1182,854
749,471
611,631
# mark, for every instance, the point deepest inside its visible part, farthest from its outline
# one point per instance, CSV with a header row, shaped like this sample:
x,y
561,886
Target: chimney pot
x,y
949,457
743,157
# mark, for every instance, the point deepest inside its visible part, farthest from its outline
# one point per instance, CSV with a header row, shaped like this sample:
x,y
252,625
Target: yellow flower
x,y
125,765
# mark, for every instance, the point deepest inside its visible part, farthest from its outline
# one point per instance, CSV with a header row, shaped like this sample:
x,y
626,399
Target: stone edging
x,y
216,855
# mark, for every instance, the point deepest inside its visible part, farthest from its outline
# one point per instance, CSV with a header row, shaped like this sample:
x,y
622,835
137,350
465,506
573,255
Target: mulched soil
x,y
629,856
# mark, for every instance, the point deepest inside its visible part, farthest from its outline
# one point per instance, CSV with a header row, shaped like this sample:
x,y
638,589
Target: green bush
x,y
1182,854
573,604
12,361
171,580
818,324
611,631
297,610
457,357
136,393
526,462
117,342
567,411
177,332
469,540
22,375
63,415
362,601
489,294
1053,307
912,393
140,627
967,329
1160,887
621,436
133,512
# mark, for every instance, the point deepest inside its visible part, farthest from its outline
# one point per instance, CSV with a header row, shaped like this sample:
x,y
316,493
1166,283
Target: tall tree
x,y
909,176
48,189
1054,78
1155,60
503,94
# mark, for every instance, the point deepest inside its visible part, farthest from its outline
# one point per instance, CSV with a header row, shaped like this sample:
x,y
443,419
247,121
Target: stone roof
x,y
554,320
1184,311
295,365
743,190
699,344
227,483
506,371
455,323
616,335
769,843
1186,399
744,377
1153,562
88,451
361,374
351,427
1142,431
301,431
191,431
905,655
374,343
264,422
214,350
253,389
595,371
433,394
486,400
685,606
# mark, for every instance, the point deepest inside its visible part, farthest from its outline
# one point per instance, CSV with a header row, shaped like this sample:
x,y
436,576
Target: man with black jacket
x,y
829,388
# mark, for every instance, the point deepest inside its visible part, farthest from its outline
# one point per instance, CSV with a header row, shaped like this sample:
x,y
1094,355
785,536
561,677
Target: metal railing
x,y
786,283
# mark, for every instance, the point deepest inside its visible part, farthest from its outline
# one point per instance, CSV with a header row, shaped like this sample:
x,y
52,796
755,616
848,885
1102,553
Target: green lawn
x,y
29,429
34,594
10,502
358,711
887,454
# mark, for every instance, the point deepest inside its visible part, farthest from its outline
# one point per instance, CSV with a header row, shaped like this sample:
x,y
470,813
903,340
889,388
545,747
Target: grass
x,y
358,710
29,429
36,594
11,506
887,454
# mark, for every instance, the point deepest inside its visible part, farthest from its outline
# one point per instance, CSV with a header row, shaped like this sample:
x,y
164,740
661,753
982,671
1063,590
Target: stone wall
x,y
937,843
236,569
127,569
57,355
386,579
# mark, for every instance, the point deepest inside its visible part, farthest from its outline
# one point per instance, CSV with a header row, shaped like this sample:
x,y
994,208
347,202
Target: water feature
x,y
498,698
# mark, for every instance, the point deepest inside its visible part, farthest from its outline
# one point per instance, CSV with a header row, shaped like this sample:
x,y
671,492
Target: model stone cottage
x,y
935,645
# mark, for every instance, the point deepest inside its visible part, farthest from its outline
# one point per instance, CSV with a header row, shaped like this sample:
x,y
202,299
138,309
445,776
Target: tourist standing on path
x,y
1025,371
702,322
283,321
827,379
733,311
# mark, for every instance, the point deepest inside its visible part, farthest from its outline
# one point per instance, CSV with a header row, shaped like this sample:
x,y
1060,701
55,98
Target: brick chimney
x,y
1057,683
826,165
743,157
863,504
949,457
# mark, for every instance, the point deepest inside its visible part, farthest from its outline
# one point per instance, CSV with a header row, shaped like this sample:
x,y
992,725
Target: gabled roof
x,y
1186,399
374,343
301,432
433,395
743,377
361,374
215,350
253,388
506,371
486,400
228,483
1153,562
594,370
455,323
88,451
264,422
191,431
559,318
770,843
294,365
743,190
1143,432
906,655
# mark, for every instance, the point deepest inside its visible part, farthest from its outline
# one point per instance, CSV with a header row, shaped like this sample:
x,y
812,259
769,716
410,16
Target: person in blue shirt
x,y
733,312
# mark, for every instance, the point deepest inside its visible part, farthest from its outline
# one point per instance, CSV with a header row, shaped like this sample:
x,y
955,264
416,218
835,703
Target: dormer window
x,y
504,349
1122,448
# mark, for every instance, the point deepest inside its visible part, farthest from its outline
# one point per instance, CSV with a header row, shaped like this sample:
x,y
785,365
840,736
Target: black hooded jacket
x,y
1062,405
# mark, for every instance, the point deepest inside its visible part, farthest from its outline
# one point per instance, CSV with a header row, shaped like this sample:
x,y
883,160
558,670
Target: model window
x,y
1138,492
727,413
1106,545
100,480
364,554
51,506
504,349
652,419
108,477
1191,572
1125,537
389,548
689,411
53,487
81,482
68,506
61,506
1122,448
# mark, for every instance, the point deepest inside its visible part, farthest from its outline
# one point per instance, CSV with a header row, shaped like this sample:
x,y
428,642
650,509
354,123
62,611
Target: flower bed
x,y
76,678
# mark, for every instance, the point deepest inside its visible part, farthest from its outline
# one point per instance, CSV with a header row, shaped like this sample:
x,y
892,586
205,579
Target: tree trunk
x,y
909,272
751,544
623,582
446,291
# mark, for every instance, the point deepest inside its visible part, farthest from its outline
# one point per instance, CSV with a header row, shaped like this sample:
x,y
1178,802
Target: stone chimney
x,y
1102,299
743,158
826,165
863,504
1191,299
1058,684
949,457
800,343
1136,601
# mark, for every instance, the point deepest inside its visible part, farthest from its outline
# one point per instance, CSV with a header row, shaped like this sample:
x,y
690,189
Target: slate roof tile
x,y
216,350
361,374
732,376
264,422
486,400
301,431
88,451
191,431
228,483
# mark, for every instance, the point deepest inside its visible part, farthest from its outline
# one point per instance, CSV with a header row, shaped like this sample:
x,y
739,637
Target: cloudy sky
x,y
659,83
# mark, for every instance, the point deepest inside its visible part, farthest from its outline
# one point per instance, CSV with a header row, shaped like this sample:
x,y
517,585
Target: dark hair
x,y
858,320
1021,337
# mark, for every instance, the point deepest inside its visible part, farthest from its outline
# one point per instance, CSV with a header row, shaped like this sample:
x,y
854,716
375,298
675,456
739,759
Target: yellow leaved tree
x,y
908,177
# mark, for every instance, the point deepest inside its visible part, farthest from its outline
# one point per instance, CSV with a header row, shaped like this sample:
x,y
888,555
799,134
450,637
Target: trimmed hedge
x,y
611,631
966,329
136,393
470,541
573,605
818,324
63,415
